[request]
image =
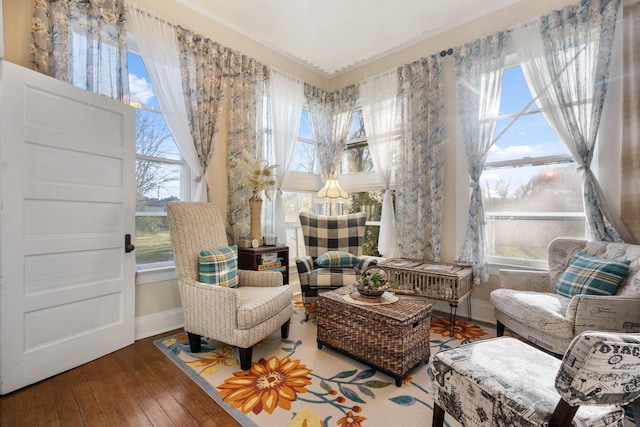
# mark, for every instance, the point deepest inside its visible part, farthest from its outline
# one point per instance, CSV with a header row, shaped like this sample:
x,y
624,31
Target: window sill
x,y
496,264
157,274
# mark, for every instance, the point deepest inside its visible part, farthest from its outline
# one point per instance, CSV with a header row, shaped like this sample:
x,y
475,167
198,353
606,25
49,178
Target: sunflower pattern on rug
x,y
292,382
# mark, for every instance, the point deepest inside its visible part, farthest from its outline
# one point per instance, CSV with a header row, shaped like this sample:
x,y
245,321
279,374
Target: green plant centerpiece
x,y
373,282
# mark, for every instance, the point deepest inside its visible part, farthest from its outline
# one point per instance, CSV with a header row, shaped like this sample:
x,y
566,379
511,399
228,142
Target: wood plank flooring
x,y
134,386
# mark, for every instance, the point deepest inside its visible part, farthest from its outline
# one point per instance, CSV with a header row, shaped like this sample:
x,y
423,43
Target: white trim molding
x,y
158,323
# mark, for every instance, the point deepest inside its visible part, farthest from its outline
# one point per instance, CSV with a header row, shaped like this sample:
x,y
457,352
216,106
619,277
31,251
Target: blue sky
x,y
529,135
139,82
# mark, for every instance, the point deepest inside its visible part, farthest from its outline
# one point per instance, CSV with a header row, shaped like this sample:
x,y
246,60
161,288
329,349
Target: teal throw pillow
x,y
219,267
337,259
589,275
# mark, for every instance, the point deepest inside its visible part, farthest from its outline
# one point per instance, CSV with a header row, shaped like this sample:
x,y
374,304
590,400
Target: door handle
x,y
128,247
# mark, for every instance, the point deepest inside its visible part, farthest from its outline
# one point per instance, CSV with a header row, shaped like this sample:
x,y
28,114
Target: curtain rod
x,y
444,53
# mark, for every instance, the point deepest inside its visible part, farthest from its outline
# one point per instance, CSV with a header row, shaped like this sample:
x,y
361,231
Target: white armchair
x,y
240,316
528,305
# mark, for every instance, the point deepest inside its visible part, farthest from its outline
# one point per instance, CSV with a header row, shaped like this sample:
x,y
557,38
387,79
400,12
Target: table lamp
x,y
332,191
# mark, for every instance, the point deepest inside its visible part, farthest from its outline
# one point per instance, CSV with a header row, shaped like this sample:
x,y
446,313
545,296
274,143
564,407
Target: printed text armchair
x,y
505,382
577,293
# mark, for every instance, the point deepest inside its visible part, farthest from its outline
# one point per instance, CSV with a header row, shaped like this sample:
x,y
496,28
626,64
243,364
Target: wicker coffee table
x,y
392,338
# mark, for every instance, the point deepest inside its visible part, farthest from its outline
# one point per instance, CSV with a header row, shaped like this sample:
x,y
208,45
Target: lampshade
x,y
332,190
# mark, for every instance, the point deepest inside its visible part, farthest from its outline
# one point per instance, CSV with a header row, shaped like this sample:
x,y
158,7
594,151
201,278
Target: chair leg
x,y
438,416
194,342
307,310
284,329
245,357
563,414
499,328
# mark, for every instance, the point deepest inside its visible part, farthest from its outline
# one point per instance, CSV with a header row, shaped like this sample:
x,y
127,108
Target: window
x,y
531,189
365,193
306,157
161,174
301,187
356,156
304,182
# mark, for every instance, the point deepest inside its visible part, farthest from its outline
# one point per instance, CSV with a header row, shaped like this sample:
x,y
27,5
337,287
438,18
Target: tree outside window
x,y
160,171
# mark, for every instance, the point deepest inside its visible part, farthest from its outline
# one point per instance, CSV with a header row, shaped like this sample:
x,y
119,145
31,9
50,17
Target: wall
x,y
153,299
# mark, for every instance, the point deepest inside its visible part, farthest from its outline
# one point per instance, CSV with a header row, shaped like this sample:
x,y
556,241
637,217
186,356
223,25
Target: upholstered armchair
x,y
581,291
505,382
245,306
333,253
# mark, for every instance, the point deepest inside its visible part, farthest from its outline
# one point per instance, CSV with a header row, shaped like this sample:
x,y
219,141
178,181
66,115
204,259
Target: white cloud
x,y
513,152
140,89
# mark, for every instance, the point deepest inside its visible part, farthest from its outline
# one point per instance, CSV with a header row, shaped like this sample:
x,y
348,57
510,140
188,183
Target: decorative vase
x,y
255,206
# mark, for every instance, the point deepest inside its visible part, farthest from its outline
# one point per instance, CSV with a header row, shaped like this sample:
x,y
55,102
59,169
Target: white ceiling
x,y
335,36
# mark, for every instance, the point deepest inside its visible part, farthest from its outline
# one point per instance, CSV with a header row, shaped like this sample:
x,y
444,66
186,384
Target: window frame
x,y
462,190
357,182
164,270
363,181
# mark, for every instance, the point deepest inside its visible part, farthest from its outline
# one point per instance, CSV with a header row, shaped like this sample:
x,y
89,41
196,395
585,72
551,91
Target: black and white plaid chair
x,y
329,234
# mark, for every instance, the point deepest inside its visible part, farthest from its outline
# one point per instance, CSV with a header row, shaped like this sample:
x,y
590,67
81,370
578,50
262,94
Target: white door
x,y
68,198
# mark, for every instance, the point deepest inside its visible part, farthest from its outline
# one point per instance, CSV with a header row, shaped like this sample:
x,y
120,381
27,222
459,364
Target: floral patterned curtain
x,y
330,117
82,42
202,62
247,82
420,160
479,69
565,59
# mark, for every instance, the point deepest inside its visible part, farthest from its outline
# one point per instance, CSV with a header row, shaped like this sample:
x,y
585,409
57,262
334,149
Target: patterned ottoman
x,y
505,382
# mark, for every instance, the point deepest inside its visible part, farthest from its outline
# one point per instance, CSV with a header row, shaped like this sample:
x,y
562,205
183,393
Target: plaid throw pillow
x,y
337,259
588,275
219,267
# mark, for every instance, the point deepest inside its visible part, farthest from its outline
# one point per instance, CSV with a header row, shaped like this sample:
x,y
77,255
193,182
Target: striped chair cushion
x,y
219,267
590,275
333,259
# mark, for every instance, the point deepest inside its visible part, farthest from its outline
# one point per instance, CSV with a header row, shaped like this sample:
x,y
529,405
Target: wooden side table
x,y
252,259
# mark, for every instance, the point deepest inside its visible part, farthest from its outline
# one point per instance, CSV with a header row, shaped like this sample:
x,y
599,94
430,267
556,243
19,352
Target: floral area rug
x,y
293,383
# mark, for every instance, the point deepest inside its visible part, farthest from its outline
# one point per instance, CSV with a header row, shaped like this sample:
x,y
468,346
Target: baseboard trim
x,y
158,323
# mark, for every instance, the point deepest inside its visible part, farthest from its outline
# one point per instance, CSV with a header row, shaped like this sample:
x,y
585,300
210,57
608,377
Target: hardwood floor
x,y
134,386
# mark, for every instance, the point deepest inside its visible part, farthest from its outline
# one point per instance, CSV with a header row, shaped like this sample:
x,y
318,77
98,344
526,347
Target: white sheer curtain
x,y
379,100
479,70
565,60
287,97
159,49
